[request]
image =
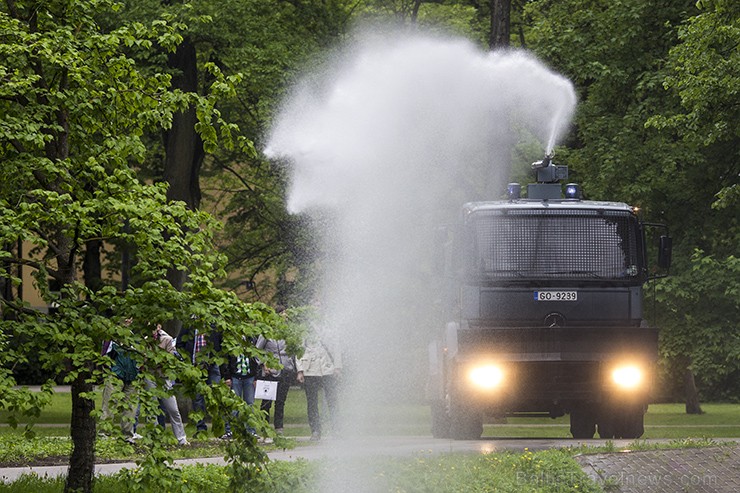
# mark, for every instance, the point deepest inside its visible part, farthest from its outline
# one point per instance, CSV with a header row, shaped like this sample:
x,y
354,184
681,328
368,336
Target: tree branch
x,y
19,308
12,9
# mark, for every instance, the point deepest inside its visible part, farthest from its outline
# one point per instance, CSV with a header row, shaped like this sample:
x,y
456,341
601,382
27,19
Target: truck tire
x,y
582,423
622,422
631,424
466,424
440,420
606,427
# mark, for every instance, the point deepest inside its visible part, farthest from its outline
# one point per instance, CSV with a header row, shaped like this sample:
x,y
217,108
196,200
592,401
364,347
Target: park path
x,y
691,470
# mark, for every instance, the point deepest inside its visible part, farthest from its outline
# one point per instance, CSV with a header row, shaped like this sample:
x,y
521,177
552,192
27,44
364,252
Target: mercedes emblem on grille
x,y
555,319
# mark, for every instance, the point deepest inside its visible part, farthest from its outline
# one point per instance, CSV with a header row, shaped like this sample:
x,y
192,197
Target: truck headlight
x,y
627,377
486,377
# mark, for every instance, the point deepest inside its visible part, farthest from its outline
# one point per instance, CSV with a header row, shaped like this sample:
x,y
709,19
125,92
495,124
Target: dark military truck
x,y
545,316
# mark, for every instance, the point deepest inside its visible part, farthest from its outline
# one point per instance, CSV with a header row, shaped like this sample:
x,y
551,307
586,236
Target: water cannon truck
x,y
544,312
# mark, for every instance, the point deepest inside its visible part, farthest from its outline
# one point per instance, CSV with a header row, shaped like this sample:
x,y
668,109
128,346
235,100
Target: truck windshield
x,y
553,244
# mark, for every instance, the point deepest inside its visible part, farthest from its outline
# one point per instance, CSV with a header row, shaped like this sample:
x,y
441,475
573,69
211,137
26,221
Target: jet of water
x,y
392,136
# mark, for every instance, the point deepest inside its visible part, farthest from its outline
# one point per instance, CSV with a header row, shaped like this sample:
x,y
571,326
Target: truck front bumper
x,y
537,370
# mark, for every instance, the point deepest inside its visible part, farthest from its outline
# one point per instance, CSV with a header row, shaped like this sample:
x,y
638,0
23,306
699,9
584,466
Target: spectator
x,y
284,377
169,404
195,344
126,371
238,373
319,368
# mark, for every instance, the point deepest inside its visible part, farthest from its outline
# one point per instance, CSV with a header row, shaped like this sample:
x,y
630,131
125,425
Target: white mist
x,y
392,137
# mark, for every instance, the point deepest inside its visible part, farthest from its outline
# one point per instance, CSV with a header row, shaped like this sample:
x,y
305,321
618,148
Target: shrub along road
x,y
656,469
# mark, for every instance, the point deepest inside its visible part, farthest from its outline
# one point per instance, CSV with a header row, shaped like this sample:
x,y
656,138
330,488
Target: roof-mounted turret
x,y
549,172
548,185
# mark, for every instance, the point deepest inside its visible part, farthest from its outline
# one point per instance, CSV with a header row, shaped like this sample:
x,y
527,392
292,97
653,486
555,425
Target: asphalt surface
x,y
695,470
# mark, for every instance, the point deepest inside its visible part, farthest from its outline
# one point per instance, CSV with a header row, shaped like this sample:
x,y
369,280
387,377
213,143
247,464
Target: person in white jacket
x,y
319,368
169,404
284,377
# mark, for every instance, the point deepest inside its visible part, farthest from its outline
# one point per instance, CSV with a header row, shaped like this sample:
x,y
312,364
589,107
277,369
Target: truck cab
x,y
545,314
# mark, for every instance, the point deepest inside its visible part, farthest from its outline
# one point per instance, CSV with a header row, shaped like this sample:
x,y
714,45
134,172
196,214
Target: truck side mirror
x,y
665,248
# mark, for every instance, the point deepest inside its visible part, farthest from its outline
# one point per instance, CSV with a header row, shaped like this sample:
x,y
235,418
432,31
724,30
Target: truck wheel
x,y
582,423
466,424
606,428
440,420
605,422
622,422
632,422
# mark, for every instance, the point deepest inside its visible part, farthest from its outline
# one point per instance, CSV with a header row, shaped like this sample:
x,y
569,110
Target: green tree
x,y
74,107
270,252
267,42
703,74
662,150
714,283
462,17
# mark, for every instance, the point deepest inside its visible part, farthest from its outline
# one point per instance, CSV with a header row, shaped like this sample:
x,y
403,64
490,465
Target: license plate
x,y
556,295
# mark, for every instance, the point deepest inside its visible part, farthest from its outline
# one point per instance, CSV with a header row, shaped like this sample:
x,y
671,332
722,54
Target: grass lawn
x,y
550,471
546,471
661,421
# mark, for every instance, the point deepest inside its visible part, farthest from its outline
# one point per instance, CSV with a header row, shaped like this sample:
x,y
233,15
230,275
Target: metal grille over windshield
x,y
554,244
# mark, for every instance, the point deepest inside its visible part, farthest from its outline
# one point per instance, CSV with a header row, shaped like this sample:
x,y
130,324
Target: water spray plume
x,y
392,137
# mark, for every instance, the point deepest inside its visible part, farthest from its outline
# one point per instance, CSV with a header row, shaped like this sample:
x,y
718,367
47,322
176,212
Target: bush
x,y
551,471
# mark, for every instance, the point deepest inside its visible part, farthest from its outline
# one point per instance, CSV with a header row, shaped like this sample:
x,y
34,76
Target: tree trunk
x,y
83,430
91,267
500,24
692,394
6,287
126,260
177,279
184,147
82,426
415,11
81,472
184,152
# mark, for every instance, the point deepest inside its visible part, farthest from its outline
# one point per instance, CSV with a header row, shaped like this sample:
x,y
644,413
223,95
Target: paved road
x,y
603,467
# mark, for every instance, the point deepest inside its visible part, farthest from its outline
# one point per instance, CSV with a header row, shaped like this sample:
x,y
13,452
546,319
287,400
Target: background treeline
x,y
657,126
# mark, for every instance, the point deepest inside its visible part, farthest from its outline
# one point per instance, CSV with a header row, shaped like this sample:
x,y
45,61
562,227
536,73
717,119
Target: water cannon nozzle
x,y
548,172
544,163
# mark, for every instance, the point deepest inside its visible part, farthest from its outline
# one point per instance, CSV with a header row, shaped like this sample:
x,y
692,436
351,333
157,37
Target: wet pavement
x,y
691,470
